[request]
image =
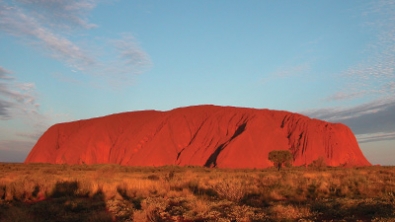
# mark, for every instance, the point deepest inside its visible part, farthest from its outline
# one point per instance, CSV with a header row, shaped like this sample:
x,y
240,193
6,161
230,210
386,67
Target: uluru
x,y
205,135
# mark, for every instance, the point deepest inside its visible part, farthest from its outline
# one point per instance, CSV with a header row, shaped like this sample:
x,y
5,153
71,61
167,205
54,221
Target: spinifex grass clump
x,y
43,192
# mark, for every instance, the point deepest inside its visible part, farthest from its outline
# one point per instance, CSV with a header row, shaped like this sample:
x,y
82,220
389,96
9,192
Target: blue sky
x,y
68,60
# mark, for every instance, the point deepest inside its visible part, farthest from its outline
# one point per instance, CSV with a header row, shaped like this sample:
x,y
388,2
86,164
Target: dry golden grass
x,y
115,193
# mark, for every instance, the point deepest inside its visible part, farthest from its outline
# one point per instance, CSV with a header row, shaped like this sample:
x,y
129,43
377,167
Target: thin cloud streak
x,y
16,22
4,74
373,121
4,109
16,99
70,13
18,102
47,25
131,53
365,138
130,58
339,114
346,96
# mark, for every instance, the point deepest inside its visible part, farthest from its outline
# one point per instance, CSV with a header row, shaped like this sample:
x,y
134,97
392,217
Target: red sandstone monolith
x,y
211,136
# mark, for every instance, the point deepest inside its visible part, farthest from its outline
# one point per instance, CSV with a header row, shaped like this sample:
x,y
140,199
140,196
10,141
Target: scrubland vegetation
x,y
43,192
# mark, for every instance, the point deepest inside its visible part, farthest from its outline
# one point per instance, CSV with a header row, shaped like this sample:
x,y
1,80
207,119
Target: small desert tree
x,y
280,157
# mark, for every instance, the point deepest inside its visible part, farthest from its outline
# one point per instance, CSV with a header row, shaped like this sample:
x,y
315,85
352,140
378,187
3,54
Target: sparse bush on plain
x,y
44,192
230,189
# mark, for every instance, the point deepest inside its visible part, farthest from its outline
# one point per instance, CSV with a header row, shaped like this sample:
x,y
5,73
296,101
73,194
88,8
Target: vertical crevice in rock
x,y
177,161
212,160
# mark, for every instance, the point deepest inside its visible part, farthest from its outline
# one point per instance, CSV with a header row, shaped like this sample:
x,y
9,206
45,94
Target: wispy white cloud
x,y
4,74
339,114
129,58
61,13
346,95
371,137
370,121
26,25
48,24
16,99
373,77
18,105
376,74
130,53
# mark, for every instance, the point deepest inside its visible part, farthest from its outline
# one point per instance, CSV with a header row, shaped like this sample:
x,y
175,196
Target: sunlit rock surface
x,y
212,136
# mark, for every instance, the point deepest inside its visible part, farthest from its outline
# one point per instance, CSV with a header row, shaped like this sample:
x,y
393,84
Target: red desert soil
x,y
212,136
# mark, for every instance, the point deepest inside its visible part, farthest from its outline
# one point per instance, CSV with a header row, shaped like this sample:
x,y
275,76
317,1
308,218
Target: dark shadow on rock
x,y
212,160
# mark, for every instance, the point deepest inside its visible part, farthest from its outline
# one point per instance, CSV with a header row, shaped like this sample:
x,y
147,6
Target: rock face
x,y
211,136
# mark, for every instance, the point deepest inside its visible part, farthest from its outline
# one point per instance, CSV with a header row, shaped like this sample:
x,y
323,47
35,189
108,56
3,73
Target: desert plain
x,y
108,192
